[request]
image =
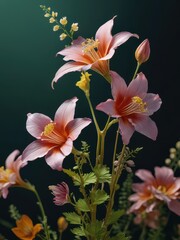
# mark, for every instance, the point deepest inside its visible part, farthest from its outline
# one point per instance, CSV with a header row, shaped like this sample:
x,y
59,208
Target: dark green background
x,y
28,62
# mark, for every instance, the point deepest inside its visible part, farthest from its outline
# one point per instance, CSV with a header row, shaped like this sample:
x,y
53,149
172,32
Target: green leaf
x,y
72,217
78,231
114,216
98,197
82,205
95,229
89,178
102,174
119,236
75,177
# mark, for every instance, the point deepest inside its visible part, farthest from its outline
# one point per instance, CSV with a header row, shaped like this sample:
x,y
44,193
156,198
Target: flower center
x,y
5,175
90,47
162,189
48,129
136,105
53,135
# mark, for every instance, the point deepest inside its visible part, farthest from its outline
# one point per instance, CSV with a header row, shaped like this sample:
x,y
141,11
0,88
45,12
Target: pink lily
x,y
54,138
10,176
94,54
132,105
164,187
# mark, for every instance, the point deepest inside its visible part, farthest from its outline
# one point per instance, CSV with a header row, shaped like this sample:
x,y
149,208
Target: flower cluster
x,y
96,180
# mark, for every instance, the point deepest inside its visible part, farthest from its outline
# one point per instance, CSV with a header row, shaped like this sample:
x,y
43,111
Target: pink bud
x,y
142,52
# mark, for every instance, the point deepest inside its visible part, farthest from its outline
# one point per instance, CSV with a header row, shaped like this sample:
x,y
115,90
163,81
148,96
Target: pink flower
x,y
10,176
61,193
132,105
164,187
94,54
54,138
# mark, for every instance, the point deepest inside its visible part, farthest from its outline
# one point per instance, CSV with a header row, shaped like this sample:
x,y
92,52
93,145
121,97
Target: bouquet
x,y
102,197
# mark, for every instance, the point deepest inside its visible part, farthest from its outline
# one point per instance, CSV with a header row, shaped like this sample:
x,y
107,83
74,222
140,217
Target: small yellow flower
x,y
62,36
47,15
63,21
74,27
62,224
56,28
83,84
51,20
54,14
25,229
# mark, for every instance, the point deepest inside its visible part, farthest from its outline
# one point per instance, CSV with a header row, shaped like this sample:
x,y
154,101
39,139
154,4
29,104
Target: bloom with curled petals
x,y
132,105
163,187
54,138
61,193
92,53
10,175
25,229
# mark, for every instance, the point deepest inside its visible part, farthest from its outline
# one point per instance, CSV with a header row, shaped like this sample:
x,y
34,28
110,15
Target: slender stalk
x,y
137,68
143,233
39,202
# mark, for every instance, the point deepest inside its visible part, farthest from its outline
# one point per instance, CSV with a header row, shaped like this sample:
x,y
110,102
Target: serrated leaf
x,y
114,216
82,205
102,174
98,197
72,217
75,177
119,236
78,231
95,229
89,178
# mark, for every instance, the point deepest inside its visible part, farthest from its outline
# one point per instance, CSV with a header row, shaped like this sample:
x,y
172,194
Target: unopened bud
x,y
130,163
62,36
142,52
167,161
178,145
62,224
172,150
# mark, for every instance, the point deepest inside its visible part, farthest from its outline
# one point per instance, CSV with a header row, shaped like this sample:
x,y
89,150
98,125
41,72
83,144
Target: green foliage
x,y
114,216
14,212
102,173
82,205
119,236
89,178
72,217
156,234
75,177
129,154
79,231
95,229
98,197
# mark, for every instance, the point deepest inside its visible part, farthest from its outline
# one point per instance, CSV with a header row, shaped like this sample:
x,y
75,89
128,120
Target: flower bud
x,y
62,36
84,83
56,28
74,27
142,52
62,224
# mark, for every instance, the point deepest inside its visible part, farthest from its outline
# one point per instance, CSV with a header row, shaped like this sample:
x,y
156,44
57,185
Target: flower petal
x,y
108,108
138,86
120,38
145,126
118,86
65,113
104,36
126,130
164,175
66,148
66,68
153,102
35,150
75,126
36,122
145,175
55,158
174,206
11,158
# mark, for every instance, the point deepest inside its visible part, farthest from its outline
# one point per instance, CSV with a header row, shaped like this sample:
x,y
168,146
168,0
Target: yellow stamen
x,y
139,102
48,129
5,174
162,189
90,45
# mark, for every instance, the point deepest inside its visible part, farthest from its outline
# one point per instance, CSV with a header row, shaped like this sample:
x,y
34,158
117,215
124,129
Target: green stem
x,y
143,233
5,223
33,189
137,68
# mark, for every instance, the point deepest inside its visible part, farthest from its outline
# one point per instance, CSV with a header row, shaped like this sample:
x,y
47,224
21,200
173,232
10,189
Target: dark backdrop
x,y
28,63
